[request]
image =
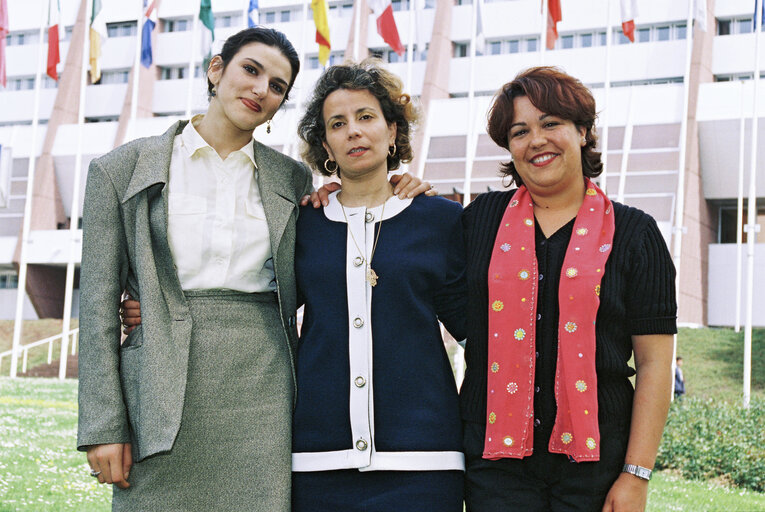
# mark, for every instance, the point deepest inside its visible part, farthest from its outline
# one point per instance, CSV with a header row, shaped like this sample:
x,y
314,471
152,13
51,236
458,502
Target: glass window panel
x,y
602,38
270,17
284,16
744,26
532,44
643,35
515,46
662,33
680,32
723,27
567,41
495,47
586,40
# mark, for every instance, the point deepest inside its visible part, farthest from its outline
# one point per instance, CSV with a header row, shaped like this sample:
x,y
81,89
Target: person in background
x,y
565,286
376,424
679,378
193,410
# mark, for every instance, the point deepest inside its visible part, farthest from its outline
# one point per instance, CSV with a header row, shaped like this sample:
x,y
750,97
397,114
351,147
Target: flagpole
x,y
356,29
293,144
751,207
74,213
469,145
740,207
189,95
543,40
21,293
410,48
605,112
136,71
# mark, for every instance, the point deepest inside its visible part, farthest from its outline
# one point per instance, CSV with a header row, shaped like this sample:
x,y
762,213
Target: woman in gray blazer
x,y
193,410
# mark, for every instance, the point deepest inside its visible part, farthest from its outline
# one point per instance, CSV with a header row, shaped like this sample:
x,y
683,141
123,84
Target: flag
x,y
97,34
149,22
54,13
700,14
3,33
553,17
629,13
208,32
252,14
754,18
322,29
386,24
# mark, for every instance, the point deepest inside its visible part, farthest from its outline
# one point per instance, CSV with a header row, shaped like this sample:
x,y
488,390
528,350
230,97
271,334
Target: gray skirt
x,y
233,450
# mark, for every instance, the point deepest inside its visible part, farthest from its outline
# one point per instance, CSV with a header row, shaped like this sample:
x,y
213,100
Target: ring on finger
x,y
94,473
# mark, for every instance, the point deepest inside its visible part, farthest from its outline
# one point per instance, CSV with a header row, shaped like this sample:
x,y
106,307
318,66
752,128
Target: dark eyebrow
x,y
541,118
261,67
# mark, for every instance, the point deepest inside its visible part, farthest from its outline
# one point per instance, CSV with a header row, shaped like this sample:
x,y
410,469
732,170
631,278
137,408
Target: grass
x,y
713,362
31,331
40,468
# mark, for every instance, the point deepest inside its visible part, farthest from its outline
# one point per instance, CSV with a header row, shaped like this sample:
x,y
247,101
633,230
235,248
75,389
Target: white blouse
x,y
216,223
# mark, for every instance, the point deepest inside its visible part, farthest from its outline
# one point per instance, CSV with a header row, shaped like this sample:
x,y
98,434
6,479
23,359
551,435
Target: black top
x,y
637,297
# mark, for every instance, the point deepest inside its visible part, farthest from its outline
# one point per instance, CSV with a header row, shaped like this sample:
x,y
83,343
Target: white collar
x,y
393,206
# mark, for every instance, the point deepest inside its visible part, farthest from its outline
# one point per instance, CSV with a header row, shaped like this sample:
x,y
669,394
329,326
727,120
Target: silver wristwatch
x,y
638,471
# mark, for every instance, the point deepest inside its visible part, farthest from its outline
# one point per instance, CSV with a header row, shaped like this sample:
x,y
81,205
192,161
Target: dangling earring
x,y
392,152
584,141
213,92
268,126
326,166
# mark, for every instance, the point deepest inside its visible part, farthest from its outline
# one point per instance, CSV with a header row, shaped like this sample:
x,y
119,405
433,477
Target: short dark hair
x,y
553,92
368,75
267,36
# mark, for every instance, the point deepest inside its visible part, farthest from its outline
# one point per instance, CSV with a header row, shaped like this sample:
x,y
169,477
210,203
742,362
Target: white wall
x,y
722,285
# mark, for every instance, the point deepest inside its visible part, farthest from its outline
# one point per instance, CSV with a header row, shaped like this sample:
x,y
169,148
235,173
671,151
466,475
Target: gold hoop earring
x,y
392,153
268,126
326,166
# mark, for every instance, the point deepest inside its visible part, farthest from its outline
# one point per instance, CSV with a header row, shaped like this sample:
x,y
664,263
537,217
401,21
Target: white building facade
x,y
643,110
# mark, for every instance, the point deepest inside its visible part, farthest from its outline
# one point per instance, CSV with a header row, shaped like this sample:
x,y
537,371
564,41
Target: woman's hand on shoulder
x,y
405,186
111,463
628,494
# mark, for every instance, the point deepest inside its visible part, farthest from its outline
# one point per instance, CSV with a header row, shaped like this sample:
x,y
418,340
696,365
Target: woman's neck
x,y
556,210
369,192
220,133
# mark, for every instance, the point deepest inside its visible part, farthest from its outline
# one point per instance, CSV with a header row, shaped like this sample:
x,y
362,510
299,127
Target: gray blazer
x,y
134,392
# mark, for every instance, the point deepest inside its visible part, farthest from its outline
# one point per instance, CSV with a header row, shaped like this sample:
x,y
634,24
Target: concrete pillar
x,y
698,218
45,283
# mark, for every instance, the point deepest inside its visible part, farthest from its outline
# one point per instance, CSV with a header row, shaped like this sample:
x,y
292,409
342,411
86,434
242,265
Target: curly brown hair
x,y
369,75
554,92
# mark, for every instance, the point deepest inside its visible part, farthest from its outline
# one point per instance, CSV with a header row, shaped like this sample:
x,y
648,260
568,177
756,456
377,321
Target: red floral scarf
x,y
512,331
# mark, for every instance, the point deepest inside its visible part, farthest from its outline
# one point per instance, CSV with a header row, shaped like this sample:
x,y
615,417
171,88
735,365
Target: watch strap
x,y
638,471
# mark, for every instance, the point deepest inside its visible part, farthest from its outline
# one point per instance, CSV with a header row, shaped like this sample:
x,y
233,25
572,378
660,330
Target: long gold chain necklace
x,y
371,274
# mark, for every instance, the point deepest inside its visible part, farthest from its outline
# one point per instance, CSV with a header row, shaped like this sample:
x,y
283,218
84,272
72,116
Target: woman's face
x,y
546,149
357,135
252,86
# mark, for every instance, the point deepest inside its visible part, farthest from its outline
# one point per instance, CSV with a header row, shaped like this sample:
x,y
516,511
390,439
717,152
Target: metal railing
x,y
24,349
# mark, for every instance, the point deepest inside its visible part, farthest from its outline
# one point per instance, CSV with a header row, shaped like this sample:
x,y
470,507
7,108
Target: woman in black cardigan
x,y
551,419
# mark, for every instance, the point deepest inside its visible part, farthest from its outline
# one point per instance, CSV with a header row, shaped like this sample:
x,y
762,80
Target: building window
x,y
531,44
723,27
495,47
122,29
680,31
284,16
586,40
728,224
400,5
643,35
227,20
662,33
567,41
177,25
114,77
460,49
744,26
9,280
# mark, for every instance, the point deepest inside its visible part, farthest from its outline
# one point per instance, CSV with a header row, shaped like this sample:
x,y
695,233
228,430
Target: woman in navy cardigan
x,y
377,424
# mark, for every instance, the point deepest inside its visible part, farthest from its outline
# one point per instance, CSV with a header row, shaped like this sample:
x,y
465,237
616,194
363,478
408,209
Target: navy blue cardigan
x,y
412,420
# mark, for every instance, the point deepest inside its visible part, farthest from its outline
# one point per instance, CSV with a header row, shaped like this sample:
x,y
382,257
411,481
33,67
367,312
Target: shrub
x,y
706,439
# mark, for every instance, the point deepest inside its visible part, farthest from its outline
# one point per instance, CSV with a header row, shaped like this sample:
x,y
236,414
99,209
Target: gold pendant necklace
x,y
371,275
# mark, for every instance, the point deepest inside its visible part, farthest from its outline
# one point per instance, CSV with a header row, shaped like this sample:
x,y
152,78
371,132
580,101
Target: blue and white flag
x,y
150,21
754,18
252,14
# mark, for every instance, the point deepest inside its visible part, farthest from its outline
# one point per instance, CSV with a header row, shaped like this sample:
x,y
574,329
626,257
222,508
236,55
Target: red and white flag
x,y
629,13
386,24
554,15
53,54
3,34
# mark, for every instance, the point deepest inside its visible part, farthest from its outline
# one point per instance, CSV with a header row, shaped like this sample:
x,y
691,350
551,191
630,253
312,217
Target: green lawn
x,y
41,470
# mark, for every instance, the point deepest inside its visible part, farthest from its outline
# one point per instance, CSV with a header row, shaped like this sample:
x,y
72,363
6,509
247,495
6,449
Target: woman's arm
x,y
102,416
653,388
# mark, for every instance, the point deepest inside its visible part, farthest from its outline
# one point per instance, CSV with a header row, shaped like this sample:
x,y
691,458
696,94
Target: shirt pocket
x,y
185,228
254,208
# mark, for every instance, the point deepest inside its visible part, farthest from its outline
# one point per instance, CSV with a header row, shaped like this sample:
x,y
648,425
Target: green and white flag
x,y
208,32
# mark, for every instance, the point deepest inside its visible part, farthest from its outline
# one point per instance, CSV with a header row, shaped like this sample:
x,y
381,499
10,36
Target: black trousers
x,y
543,481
